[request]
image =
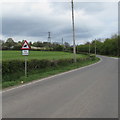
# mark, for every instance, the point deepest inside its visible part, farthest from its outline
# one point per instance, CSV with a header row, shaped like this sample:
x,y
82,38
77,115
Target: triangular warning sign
x,y
25,46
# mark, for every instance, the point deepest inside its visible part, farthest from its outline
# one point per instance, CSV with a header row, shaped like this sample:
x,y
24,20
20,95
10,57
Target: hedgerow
x,y
15,68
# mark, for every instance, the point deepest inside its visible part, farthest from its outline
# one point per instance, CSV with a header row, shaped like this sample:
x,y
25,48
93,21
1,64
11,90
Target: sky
x,y
31,21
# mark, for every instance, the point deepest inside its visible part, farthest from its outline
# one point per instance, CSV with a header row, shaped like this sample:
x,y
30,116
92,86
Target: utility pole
x,y
25,66
63,44
74,46
49,40
89,48
62,41
95,47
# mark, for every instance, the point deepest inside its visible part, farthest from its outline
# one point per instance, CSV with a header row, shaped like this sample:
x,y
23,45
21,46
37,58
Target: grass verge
x,y
46,72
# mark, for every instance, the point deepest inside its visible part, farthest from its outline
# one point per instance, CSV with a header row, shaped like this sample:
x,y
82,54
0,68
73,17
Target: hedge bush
x,y
92,56
18,65
11,68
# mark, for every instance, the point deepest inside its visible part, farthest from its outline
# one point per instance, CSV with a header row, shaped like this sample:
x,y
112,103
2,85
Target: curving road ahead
x,y
90,92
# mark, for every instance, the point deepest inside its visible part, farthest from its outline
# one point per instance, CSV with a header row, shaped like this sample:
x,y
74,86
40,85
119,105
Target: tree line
x,y
110,46
10,44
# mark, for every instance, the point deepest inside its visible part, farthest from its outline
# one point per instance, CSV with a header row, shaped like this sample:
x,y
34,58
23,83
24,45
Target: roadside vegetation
x,y
38,67
48,59
108,46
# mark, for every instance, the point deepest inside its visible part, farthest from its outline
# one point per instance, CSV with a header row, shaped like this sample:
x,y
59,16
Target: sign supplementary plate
x,y
25,52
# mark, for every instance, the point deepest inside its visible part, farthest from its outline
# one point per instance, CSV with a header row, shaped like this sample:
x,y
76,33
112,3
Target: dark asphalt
x,y
90,92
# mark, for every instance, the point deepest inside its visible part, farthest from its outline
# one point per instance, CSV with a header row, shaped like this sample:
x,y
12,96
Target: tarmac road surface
x,y
90,92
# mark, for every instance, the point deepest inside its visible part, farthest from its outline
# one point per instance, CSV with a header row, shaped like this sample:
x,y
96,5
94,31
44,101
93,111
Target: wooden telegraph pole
x,y
74,46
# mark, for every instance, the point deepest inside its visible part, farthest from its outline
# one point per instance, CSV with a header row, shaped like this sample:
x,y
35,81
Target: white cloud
x,y
32,20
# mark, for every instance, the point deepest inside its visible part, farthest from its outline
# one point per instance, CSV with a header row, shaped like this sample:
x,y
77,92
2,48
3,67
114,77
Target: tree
x,y
67,44
10,43
110,46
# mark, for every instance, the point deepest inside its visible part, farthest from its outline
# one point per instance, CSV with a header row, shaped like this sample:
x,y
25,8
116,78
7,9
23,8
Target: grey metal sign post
x,y
25,66
25,51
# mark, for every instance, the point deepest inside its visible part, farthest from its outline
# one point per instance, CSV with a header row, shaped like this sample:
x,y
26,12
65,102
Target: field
x,y
49,55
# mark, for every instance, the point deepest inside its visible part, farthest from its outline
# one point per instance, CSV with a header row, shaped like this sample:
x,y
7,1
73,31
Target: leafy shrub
x,y
12,66
92,56
38,64
15,68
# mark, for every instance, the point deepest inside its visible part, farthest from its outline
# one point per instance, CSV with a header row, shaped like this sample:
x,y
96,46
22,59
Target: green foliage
x,y
92,56
52,67
9,44
58,47
38,64
12,67
17,46
110,46
39,44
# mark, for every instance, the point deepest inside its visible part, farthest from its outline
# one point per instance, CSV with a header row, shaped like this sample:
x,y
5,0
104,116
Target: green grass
x,y
38,74
50,55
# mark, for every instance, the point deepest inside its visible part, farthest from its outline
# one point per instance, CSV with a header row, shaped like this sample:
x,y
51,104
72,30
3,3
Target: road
x,y
90,92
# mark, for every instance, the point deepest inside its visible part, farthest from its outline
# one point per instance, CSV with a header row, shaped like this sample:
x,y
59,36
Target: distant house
x,y
38,48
